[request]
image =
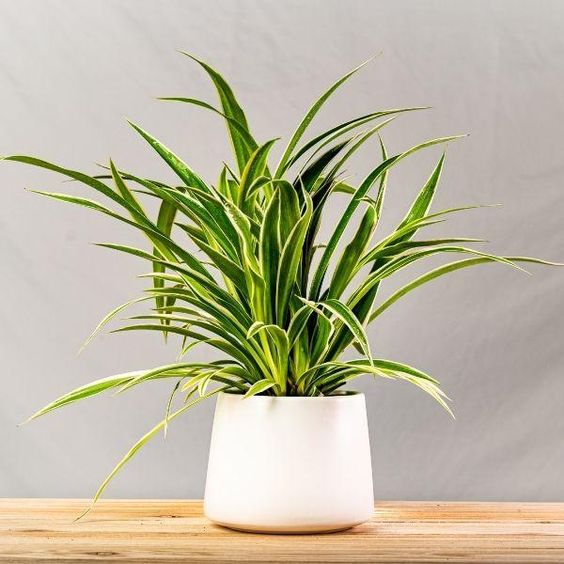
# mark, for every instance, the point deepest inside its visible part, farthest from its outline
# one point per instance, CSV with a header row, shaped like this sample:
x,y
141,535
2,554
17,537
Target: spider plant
x,y
237,264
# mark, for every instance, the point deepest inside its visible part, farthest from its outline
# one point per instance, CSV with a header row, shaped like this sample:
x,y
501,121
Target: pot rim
x,y
340,397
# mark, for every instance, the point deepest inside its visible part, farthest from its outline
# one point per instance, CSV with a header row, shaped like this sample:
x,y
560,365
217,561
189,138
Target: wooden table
x,y
175,531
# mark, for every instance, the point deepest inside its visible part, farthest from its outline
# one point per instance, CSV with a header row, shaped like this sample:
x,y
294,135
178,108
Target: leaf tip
x,y
190,56
83,514
371,58
133,124
24,422
30,418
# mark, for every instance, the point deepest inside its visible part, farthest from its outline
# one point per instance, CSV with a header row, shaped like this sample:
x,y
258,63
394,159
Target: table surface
x,y
175,531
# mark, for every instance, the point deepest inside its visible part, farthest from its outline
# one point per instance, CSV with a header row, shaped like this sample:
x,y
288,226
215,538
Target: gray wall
x,y
71,70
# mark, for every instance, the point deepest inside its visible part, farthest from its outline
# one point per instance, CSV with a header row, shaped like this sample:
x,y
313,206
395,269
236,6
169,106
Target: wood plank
x,y
149,531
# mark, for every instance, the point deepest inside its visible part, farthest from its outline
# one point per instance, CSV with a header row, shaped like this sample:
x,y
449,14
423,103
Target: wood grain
x,y
144,531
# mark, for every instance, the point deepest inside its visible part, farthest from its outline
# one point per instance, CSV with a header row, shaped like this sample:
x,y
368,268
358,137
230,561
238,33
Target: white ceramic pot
x,y
289,464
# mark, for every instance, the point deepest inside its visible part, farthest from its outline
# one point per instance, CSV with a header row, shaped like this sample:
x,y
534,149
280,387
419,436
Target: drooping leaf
x,y
445,269
90,390
111,315
259,387
141,443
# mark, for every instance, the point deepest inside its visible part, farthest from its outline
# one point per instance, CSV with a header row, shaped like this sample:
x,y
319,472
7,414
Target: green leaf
x,y
279,345
124,190
354,203
298,324
182,367
445,269
344,188
165,221
352,253
182,170
289,209
333,133
269,254
90,390
402,235
83,178
402,261
423,201
232,110
140,444
308,119
206,212
169,406
259,387
166,245
226,266
289,262
254,328
321,335
254,168
258,183
169,329
309,176
240,129
109,317
346,315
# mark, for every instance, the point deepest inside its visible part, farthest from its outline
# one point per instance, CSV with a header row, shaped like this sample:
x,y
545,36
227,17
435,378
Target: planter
x,y
289,464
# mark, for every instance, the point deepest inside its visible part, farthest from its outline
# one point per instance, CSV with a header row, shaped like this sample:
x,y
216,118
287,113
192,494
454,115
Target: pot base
x,y
289,529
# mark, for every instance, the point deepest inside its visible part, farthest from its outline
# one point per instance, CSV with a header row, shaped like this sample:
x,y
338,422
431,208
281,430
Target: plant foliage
x,y
237,264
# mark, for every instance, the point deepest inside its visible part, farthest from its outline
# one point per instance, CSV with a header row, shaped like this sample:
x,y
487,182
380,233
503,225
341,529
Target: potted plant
x,y
237,265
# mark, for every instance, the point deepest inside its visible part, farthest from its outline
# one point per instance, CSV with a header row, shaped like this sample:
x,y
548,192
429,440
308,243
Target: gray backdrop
x,y
71,71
